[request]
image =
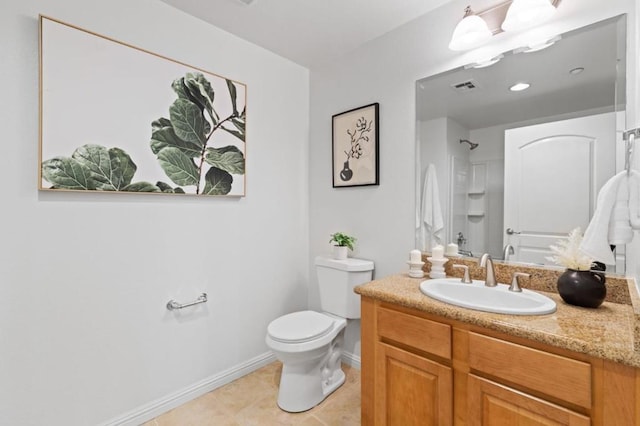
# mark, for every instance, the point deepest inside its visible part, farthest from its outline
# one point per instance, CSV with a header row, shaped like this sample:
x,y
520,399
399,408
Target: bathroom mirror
x,y
497,187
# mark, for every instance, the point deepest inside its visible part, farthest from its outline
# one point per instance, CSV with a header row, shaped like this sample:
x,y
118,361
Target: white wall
x,y
84,278
385,71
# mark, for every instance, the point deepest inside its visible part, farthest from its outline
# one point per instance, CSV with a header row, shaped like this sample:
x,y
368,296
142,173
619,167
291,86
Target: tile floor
x,y
251,400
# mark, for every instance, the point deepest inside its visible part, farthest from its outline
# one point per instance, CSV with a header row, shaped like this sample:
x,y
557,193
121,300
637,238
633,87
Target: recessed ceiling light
x,y
519,87
576,71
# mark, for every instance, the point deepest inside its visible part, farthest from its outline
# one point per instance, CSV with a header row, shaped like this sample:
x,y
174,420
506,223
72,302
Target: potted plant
x,y
578,285
342,243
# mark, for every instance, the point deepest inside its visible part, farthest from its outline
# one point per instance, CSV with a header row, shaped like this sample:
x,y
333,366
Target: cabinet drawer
x,y
554,375
428,336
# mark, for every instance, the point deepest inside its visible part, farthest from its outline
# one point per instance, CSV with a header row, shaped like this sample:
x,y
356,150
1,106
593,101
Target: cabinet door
x,y
411,390
492,404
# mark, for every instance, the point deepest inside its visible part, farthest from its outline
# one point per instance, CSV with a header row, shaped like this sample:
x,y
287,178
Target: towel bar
x,y
635,132
173,305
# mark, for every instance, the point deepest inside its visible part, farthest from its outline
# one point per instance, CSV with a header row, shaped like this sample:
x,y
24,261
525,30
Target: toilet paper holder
x,y
173,305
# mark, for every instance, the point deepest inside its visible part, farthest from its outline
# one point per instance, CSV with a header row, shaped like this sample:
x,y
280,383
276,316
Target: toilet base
x,y
303,385
302,392
338,380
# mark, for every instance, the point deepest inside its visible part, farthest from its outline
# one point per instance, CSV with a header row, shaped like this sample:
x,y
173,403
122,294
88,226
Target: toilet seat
x,y
300,327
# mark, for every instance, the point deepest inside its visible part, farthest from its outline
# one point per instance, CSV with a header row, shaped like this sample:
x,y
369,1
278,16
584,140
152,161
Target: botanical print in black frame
x,y
355,148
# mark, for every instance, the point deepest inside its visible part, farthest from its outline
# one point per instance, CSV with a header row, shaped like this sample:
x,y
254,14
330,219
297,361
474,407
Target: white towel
x,y
432,228
634,200
610,224
620,231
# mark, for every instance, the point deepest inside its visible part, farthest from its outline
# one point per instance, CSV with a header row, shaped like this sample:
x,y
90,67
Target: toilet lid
x,y
300,327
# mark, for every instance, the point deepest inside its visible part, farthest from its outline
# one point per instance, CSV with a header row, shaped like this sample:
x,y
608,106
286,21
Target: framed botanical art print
x,y
355,148
117,118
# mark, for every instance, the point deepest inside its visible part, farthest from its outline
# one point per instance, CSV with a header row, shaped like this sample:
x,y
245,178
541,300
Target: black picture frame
x,y
355,148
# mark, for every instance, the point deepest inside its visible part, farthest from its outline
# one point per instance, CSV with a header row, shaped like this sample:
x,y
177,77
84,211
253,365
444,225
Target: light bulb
x,y
527,13
471,32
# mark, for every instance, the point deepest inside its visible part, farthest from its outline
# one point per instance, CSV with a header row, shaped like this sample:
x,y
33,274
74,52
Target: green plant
x,y
342,240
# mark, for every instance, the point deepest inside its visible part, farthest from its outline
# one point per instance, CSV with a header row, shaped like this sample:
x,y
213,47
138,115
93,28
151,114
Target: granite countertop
x,y
606,332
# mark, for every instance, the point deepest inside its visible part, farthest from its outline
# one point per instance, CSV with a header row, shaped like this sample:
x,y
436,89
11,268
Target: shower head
x,y
472,145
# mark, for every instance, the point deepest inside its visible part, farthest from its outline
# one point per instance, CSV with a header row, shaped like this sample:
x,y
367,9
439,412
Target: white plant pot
x,y
340,252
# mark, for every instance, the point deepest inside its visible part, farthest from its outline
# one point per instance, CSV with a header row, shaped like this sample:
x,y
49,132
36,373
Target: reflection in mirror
x,y
518,170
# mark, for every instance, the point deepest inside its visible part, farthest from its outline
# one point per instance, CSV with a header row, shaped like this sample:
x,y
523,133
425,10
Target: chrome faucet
x,y
487,262
515,282
508,250
465,277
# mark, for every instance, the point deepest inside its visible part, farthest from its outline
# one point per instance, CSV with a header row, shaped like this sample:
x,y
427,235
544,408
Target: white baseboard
x,y
352,360
155,408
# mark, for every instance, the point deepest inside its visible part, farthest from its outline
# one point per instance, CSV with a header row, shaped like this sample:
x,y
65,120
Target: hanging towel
x,y
610,224
620,231
432,227
634,200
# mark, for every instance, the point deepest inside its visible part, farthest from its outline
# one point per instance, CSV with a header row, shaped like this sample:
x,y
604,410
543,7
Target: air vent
x,y
465,86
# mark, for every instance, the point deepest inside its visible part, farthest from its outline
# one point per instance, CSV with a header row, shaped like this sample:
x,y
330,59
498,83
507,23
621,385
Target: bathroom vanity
x,y
426,362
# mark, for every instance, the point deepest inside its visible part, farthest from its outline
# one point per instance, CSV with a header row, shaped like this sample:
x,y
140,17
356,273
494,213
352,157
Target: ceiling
x,y
308,32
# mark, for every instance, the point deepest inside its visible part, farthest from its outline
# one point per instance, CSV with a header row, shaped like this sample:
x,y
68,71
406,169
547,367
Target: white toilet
x,y
309,344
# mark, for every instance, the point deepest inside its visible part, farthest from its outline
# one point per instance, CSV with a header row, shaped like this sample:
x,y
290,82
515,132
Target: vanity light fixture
x,y
519,87
471,32
510,15
524,14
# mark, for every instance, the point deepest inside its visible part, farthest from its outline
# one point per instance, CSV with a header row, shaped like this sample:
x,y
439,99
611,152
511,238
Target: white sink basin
x,y
489,299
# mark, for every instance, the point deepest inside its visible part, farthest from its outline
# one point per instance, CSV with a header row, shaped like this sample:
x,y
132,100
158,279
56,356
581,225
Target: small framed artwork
x,y
355,148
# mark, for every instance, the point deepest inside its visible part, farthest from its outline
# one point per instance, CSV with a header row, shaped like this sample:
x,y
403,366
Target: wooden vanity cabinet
x,y
421,369
416,389
492,404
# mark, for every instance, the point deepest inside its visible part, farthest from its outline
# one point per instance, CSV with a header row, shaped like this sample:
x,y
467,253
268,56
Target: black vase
x,y
346,173
582,288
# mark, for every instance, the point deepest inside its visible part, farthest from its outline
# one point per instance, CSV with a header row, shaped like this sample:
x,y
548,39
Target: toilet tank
x,y
336,279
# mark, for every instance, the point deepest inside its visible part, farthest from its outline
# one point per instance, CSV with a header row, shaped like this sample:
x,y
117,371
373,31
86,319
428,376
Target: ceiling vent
x,y
465,86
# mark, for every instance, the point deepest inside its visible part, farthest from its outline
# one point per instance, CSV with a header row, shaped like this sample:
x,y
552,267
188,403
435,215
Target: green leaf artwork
x,y
185,146
67,173
218,182
111,169
187,121
228,158
178,167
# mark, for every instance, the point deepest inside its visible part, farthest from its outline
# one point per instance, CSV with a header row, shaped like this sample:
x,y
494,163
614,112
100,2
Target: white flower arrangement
x,y
567,253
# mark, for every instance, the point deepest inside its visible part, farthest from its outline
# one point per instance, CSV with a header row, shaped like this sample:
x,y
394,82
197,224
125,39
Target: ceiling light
x,y
471,32
518,87
526,13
